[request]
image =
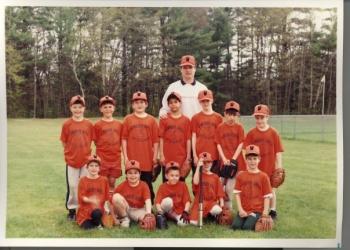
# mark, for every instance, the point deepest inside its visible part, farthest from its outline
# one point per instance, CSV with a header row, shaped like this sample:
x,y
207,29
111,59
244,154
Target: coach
x,y
187,87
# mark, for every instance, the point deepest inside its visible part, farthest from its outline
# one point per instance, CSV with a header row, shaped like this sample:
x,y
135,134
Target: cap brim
x,y
133,168
136,99
105,102
78,102
186,63
248,154
264,114
205,99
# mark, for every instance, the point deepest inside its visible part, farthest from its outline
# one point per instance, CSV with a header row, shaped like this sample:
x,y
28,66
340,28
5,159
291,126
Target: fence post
x,y
322,128
294,128
281,125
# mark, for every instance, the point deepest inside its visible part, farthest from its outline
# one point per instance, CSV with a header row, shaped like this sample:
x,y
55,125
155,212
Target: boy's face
x,y
107,110
139,106
77,110
207,166
174,105
93,168
188,72
261,121
230,118
206,104
173,176
133,176
253,161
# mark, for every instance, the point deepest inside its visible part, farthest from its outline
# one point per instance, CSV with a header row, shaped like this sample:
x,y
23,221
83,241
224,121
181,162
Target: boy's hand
x,y
94,201
242,213
195,160
163,116
226,161
162,160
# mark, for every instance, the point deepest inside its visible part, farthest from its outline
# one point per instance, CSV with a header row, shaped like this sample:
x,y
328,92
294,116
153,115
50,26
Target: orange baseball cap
x,y
106,99
232,105
187,60
171,164
261,109
94,158
132,164
139,96
205,95
77,99
174,95
252,150
205,156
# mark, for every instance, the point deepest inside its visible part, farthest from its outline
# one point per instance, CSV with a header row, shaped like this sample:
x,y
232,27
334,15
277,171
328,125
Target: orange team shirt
x,y
77,136
204,126
140,134
212,192
91,187
178,193
269,143
253,188
229,137
175,133
107,136
135,196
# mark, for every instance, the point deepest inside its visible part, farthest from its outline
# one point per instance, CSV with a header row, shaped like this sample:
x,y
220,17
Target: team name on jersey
x,y
228,135
207,130
139,133
78,132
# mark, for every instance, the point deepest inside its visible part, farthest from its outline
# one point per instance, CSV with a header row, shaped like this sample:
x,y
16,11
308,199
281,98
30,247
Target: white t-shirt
x,y
189,95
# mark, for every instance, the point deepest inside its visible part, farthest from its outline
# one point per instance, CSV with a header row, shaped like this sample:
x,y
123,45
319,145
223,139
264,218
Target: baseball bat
x,y
200,208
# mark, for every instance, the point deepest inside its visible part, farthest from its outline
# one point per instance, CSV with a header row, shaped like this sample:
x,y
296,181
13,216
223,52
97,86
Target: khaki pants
x,y
73,176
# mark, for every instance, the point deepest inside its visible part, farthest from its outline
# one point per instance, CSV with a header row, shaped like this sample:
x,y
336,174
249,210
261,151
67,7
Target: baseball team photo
x,y
127,122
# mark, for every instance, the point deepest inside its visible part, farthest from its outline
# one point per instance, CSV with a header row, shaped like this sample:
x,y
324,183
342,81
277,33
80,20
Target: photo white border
x,y
183,242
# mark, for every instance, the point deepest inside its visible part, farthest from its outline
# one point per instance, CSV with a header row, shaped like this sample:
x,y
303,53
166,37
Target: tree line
x,y
284,57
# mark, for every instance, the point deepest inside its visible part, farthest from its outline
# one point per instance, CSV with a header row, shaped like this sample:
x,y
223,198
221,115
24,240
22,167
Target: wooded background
x,y
283,57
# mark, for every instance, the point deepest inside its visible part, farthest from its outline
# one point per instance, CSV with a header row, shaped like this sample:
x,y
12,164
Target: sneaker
x,y
273,214
100,227
124,222
71,215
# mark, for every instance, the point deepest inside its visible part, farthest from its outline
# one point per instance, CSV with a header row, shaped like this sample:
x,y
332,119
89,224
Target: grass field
x,y
36,191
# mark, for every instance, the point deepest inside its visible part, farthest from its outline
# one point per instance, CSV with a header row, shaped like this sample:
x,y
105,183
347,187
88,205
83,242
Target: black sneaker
x,y
71,215
273,214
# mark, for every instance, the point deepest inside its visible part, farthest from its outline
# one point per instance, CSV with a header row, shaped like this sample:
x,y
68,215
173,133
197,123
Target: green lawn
x,y
36,191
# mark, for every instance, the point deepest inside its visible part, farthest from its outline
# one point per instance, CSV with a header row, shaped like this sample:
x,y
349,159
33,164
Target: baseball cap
x,y
174,95
205,156
77,99
106,99
187,60
205,95
252,150
132,164
139,96
171,164
232,105
94,158
261,109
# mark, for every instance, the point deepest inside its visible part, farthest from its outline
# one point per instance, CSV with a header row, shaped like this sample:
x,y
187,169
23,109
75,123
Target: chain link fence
x,y
320,128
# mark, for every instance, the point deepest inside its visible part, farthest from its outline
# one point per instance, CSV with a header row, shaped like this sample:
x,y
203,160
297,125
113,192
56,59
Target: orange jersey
x,y
178,193
107,137
88,188
135,196
204,126
175,133
212,192
253,188
77,137
140,134
229,137
269,143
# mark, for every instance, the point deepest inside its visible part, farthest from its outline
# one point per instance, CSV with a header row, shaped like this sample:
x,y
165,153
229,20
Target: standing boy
x,y
253,192
175,135
107,138
212,190
140,138
229,139
132,199
203,126
173,199
76,137
269,143
93,193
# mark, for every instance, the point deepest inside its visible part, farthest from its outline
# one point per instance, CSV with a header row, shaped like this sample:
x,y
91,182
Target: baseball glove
x,y
148,222
225,217
264,224
161,222
185,169
156,171
107,220
229,170
277,177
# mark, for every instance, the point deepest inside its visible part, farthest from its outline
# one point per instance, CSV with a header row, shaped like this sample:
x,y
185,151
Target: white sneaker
x,y
100,227
124,222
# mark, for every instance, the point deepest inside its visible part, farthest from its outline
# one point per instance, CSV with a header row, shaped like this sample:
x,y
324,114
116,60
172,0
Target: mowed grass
x,y
36,191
